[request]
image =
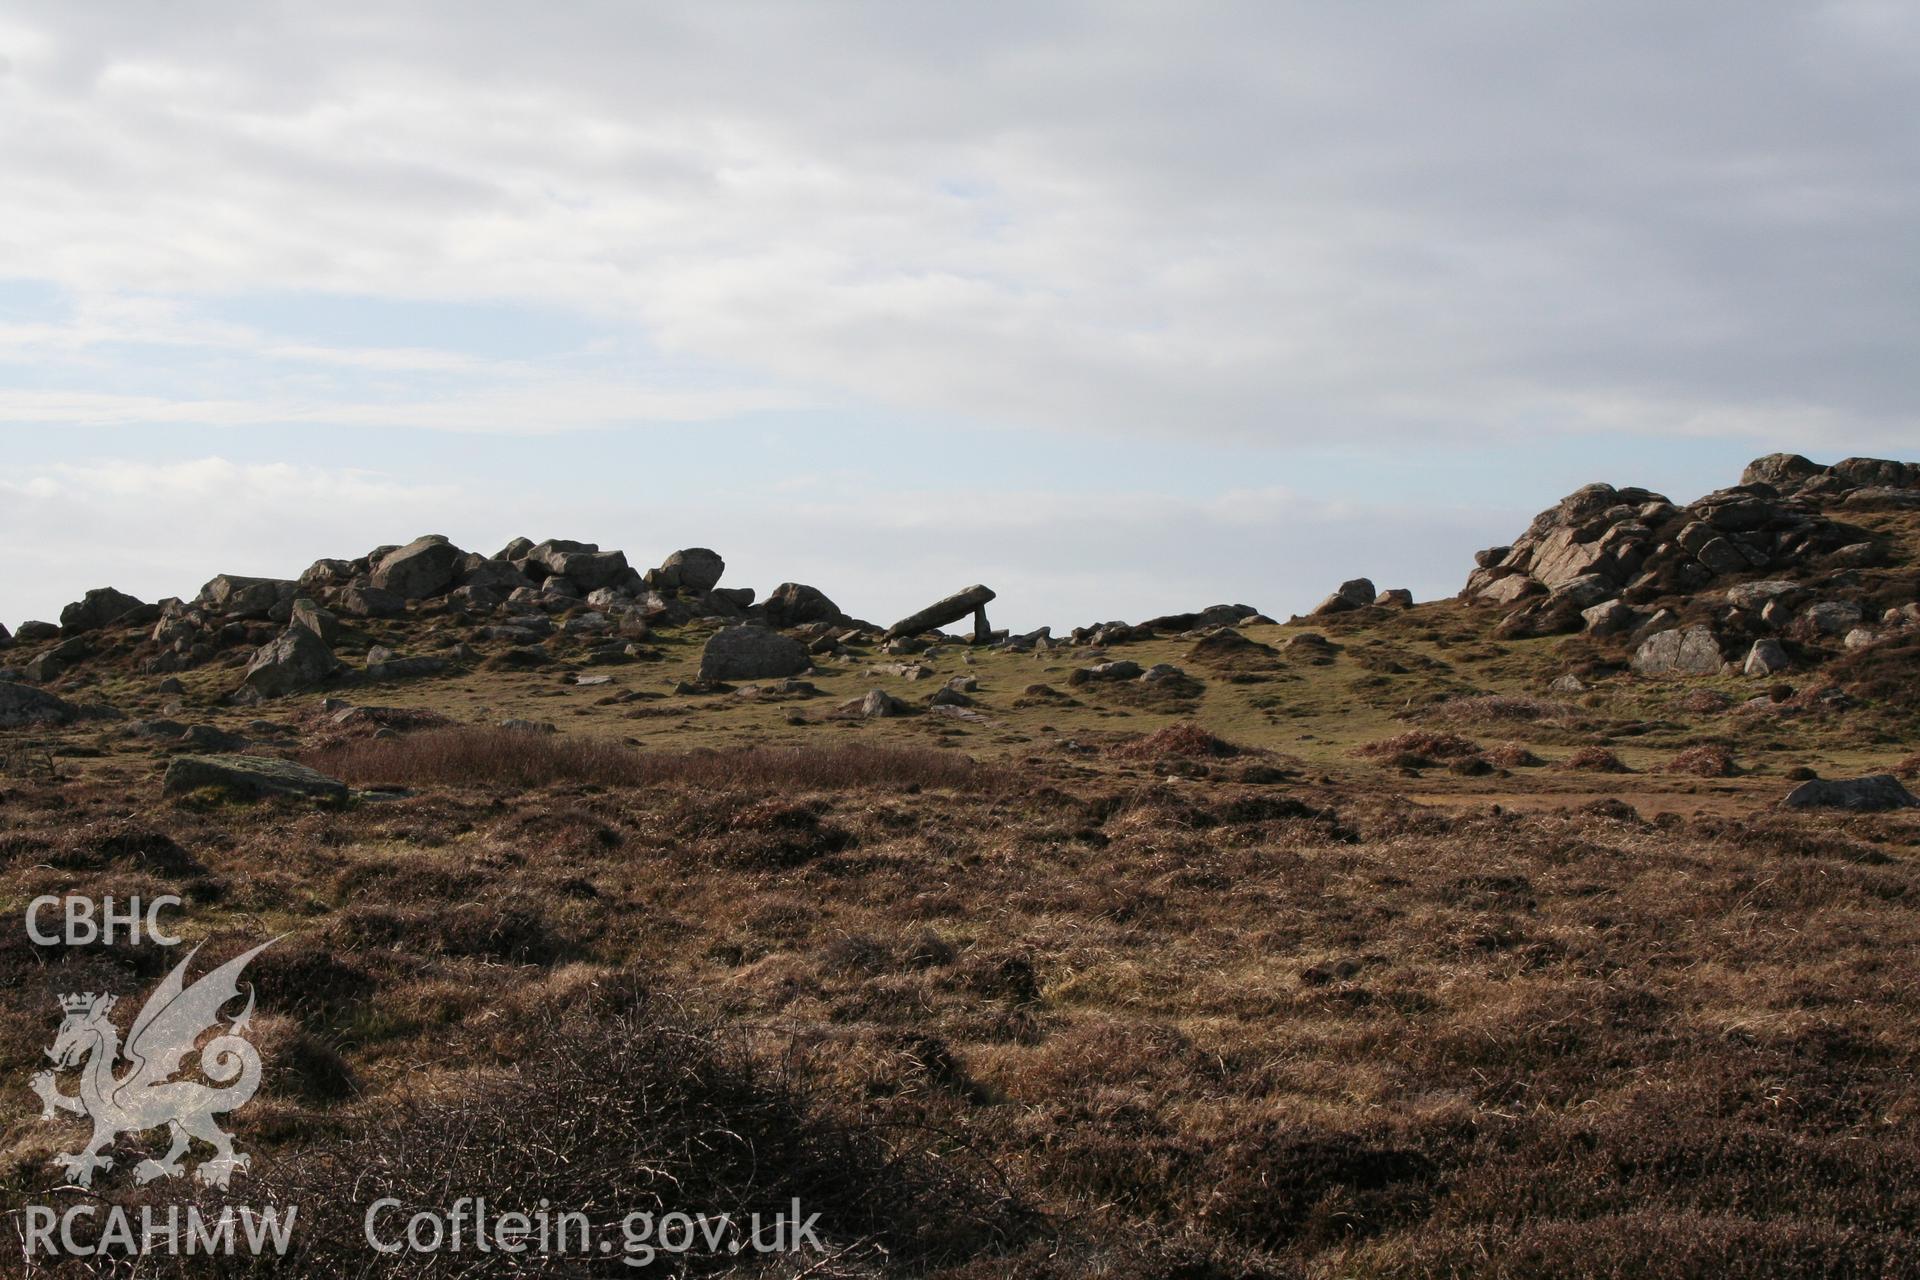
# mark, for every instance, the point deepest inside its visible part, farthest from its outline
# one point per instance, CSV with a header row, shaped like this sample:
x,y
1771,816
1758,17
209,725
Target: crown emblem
x,y
85,1002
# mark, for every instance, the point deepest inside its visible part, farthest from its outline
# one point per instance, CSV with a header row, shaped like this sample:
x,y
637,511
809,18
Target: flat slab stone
x,y
251,776
941,612
1873,794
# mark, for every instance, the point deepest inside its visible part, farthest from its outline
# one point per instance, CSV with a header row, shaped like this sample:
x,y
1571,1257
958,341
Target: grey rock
x,y
1755,595
1686,651
242,597
751,653
1857,555
424,567
1354,593
329,573
794,604
250,776
1610,617
876,704
1510,589
515,550
1767,658
1567,684
539,561
206,737
1860,638
592,570
394,667
34,631
1832,617
21,705
695,570
1785,472
529,726
1393,597
295,660
947,610
98,608
362,599
1874,794
1722,556
1582,592
315,619
498,574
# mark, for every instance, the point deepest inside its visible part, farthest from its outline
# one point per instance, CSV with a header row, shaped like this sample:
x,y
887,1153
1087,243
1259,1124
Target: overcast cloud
x,y
1488,228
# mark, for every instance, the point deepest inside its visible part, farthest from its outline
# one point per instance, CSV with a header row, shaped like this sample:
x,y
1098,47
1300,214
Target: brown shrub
x,y
1418,745
1595,760
1511,755
515,758
1908,768
1709,760
1498,709
1705,702
1186,739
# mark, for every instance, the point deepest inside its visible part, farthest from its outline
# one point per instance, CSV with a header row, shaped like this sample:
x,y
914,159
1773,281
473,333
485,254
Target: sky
x,y
1120,308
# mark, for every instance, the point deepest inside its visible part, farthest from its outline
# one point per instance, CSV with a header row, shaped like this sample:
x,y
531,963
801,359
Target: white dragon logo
x,y
143,1098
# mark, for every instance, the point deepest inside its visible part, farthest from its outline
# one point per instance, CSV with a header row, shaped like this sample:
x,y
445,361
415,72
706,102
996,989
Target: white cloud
x,y
1242,220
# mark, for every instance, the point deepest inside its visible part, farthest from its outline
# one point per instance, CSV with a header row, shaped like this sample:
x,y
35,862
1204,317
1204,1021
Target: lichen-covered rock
x,y
751,653
1354,593
1873,794
695,570
1767,658
250,776
22,705
1683,651
424,567
294,660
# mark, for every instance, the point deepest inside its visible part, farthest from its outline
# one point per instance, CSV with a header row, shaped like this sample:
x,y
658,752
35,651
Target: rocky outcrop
x,y
1768,545
751,653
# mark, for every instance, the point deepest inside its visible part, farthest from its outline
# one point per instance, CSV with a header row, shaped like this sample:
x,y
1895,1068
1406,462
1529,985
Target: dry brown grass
x,y
1091,1025
1498,709
519,758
